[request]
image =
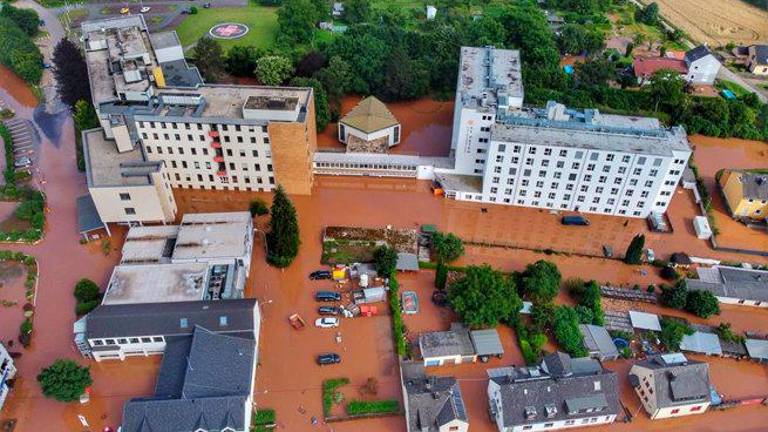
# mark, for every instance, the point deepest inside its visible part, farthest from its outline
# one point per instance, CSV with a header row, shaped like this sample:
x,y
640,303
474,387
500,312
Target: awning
x,y
88,218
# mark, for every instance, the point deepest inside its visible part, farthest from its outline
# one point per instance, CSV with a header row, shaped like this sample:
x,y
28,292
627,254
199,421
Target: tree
x,y
241,60
594,72
357,11
64,380
447,247
576,39
589,297
630,48
86,290
565,327
666,88
283,237
322,110
585,314
649,14
26,19
296,20
672,333
702,303
542,315
669,273
336,78
84,116
385,260
209,58
312,62
674,297
634,252
69,70
258,207
483,297
404,78
273,70
441,275
541,281
19,53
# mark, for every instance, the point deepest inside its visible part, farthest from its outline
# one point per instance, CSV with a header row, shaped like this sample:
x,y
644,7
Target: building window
x,y
130,211
674,411
125,197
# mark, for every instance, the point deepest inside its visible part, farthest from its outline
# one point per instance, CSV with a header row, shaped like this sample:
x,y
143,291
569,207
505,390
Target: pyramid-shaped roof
x,y
370,115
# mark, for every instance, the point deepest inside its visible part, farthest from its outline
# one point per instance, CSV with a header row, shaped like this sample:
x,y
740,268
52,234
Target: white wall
x,y
469,130
703,71
145,200
387,132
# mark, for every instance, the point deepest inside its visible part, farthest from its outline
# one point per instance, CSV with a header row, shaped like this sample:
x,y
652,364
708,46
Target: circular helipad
x,y
228,31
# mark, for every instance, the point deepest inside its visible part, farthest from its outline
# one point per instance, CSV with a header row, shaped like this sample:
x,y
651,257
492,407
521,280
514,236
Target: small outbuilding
x,y
757,349
407,262
487,344
369,128
702,343
702,228
644,321
598,342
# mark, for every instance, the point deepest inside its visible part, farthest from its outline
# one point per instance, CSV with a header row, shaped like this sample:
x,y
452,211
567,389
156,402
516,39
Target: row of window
x,y
201,138
563,205
570,422
204,151
199,126
127,341
593,156
353,165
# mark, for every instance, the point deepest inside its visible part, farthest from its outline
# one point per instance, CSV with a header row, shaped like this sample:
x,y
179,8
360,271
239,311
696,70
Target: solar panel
x,y
458,402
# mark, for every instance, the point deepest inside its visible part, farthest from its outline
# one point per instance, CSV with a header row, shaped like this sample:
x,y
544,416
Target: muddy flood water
x,y
426,126
16,88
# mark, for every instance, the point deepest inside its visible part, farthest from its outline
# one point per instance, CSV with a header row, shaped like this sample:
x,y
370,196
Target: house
x,y
698,66
745,193
598,342
205,385
680,259
560,393
459,345
670,385
432,404
338,9
7,373
644,321
702,342
431,12
702,66
757,349
369,128
732,285
117,331
757,59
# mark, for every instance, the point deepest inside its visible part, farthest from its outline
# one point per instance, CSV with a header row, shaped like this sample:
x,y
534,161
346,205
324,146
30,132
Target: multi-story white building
x,y
163,128
553,157
7,372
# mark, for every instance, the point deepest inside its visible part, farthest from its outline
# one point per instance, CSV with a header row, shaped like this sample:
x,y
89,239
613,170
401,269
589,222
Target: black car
x,y
320,274
329,310
575,220
327,296
328,358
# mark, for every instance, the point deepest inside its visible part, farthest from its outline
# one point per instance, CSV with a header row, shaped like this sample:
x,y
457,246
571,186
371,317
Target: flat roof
x,y
701,342
88,218
212,235
155,283
487,342
485,72
455,341
460,182
149,244
228,101
757,348
106,166
645,321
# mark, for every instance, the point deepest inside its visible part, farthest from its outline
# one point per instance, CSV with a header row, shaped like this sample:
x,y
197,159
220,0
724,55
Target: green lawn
x,y
261,20
737,90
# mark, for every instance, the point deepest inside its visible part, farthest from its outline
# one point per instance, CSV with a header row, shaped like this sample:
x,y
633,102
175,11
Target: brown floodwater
x,y
426,126
16,87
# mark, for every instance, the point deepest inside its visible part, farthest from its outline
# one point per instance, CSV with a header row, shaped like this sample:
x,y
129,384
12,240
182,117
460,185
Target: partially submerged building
x,y
163,128
732,285
670,385
598,342
745,193
205,384
459,345
369,127
432,404
560,393
7,373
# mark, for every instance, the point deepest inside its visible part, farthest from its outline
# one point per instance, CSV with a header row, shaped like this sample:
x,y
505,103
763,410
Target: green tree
x,y
541,281
86,290
385,260
258,207
241,60
209,58
26,19
283,237
64,380
666,89
322,110
634,252
441,275
19,53
273,70
595,72
542,315
85,117
296,20
649,14
702,303
585,314
669,273
576,39
483,297
357,11
447,247
404,78
674,297
337,79
672,333
565,327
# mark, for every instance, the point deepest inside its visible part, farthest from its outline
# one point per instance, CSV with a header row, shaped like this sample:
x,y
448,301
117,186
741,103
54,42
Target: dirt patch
x,y
9,271
16,87
717,22
354,244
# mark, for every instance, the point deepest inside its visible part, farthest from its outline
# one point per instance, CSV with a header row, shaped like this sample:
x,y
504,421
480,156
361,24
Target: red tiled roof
x,y
646,66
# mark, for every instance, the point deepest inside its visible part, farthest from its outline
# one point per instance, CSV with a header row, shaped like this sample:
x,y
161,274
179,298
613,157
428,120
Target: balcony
x,y
218,159
213,134
221,173
216,144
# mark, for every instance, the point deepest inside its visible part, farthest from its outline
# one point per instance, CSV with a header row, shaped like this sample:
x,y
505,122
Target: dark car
x,y
327,296
320,274
328,358
329,310
575,220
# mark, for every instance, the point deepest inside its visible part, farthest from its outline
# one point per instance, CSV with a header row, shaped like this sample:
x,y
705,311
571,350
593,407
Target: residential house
x,y
432,404
7,373
746,193
369,127
757,59
598,342
117,331
670,385
205,385
459,345
561,393
732,285
698,66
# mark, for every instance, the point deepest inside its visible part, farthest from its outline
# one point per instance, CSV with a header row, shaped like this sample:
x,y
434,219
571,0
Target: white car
x,y
327,322
145,9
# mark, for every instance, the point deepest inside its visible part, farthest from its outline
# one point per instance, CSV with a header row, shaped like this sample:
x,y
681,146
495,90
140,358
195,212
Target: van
x,y
575,220
327,296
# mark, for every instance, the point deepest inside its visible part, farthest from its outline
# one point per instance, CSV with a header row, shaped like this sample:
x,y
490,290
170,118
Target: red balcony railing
x,y
218,159
213,134
216,145
221,173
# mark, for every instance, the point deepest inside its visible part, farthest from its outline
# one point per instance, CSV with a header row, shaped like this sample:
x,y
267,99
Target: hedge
x,y
329,389
386,406
398,327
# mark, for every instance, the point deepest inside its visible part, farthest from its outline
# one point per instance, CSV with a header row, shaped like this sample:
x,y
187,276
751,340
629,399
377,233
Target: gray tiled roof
x,y
432,401
183,415
678,381
168,319
597,340
733,283
697,53
453,342
586,388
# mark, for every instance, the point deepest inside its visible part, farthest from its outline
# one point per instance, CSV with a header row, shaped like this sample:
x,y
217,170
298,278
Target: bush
x,y
264,417
358,407
674,297
193,10
329,389
447,247
441,275
258,207
86,290
541,281
702,303
565,327
398,327
19,53
672,333
669,273
82,308
385,260
64,380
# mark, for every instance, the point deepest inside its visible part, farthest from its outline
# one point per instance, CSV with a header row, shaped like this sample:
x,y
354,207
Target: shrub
x,y
674,297
541,281
702,303
565,327
86,290
447,247
64,380
258,207
329,389
669,273
358,407
385,260
82,308
441,275
672,332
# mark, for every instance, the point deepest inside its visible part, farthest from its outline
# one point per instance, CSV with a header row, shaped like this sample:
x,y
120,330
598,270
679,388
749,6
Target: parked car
x,y
575,220
650,255
22,162
327,296
207,5
327,322
328,359
320,274
145,9
329,310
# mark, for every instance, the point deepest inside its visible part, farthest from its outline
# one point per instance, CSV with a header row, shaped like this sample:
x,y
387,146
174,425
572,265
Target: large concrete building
x,y
163,128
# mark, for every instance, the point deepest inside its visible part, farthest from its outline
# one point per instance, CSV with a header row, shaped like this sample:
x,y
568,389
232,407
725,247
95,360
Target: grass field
x,y
737,90
262,22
